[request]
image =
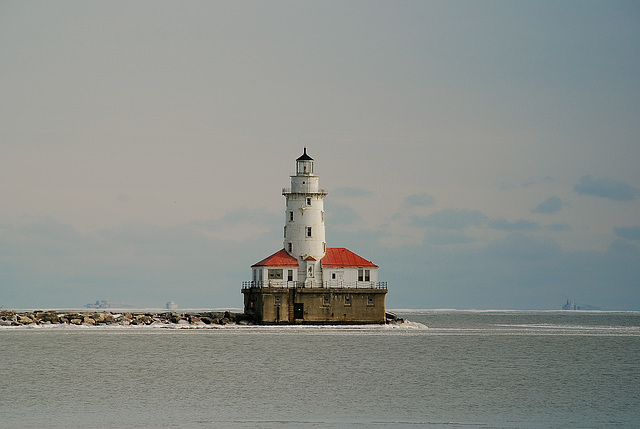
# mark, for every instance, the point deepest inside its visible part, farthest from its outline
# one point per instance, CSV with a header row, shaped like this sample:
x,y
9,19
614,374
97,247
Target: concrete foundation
x,y
270,305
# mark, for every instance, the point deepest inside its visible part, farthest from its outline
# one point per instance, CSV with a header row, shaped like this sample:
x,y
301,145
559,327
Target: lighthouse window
x,y
290,275
290,248
285,232
367,275
275,274
308,201
290,216
308,231
360,275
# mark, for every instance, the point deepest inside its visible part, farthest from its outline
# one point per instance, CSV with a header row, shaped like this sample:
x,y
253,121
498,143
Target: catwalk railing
x,y
315,285
288,191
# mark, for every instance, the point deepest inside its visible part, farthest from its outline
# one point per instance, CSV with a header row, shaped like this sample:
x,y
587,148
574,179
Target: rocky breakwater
x,y
12,318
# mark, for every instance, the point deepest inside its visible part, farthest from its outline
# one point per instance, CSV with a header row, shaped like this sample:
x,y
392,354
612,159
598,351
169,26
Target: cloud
x,y
504,185
340,214
447,237
626,250
350,192
47,263
457,219
520,246
606,188
239,224
503,224
420,200
628,232
558,227
549,206
515,272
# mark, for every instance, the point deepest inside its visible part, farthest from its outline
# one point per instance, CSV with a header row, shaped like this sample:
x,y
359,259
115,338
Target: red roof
x,y
341,257
279,259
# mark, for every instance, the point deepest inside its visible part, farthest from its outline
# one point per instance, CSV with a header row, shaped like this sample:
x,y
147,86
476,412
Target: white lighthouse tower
x,y
305,281
304,232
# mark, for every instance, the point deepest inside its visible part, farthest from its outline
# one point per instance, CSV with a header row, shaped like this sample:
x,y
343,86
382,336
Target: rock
x,y
105,317
144,320
24,320
141,319
122,319
196,321
50,317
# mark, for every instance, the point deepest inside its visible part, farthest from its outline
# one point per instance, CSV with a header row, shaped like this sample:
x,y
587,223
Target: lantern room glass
x,y
305,167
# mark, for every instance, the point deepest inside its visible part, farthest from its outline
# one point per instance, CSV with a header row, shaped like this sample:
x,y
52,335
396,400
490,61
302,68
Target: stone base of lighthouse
x,y
281,305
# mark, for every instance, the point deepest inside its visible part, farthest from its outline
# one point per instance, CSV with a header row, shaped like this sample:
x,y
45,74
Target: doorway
x,y
298,310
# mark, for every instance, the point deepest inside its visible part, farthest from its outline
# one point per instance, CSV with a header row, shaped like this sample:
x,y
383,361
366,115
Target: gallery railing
x,y
331,284
288,191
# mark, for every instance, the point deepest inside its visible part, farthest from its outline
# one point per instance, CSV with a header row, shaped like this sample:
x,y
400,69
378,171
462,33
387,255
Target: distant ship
x,y
106,304
100,304
571,305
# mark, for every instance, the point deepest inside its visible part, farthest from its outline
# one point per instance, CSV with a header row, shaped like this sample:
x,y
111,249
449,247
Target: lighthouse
x,y
304,232
306,281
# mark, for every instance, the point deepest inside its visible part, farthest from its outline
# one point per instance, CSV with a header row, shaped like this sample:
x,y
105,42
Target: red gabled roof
x,y
279,259
341,257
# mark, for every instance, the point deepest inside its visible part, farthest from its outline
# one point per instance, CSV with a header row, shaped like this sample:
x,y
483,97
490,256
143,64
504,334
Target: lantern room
x,y
304,164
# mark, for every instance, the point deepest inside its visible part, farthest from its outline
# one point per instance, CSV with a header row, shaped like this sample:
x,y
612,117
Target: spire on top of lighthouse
x,y
304,156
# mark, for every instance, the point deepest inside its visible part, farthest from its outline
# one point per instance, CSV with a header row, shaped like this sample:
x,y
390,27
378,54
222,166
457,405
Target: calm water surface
x,y
467,369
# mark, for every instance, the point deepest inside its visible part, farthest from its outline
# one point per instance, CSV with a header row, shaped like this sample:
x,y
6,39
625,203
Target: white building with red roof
x,y
306,270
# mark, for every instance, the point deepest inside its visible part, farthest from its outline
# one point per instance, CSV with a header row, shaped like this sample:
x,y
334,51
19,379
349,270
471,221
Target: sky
x,y
485,155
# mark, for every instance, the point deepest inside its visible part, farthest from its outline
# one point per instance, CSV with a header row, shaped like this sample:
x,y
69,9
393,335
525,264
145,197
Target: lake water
x,y
486,369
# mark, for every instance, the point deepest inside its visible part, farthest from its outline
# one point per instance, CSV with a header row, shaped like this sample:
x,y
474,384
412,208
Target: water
x,y
495,369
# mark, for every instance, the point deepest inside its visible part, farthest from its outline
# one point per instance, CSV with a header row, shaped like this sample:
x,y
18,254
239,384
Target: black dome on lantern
x,y
304,156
